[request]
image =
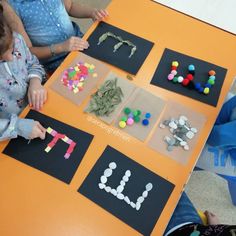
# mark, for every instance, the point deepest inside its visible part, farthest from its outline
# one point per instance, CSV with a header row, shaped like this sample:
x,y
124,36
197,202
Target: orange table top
x,y
34,203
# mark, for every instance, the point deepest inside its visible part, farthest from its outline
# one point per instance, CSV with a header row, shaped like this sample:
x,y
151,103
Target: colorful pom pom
x,y
211,72
175,63
185,82
145,122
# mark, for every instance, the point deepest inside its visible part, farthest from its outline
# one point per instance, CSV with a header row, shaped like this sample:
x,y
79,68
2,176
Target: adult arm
x,y
43,52
78,10
15,22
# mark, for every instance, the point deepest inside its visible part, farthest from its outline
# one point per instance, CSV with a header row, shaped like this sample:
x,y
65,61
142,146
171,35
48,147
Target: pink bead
x,y
67,155
54,133
170,77
69,141
174,72
130,121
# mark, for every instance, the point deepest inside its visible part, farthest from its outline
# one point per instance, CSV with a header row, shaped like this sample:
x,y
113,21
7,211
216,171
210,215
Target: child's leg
x,y
223,136
226,111
184,212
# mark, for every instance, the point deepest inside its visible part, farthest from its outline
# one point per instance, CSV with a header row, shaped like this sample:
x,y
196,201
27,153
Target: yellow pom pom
x,y
175,63
206,90
122,124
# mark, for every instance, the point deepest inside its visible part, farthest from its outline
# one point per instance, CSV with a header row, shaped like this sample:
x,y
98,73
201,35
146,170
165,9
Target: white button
x,y
127,199
128,173
138,205
140,200
108,172
50,13
149,187
120,189
120,196
114,192
58,25
112,165
101,186
103,179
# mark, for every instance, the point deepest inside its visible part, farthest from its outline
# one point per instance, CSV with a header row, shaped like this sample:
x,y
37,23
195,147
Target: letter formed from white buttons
x,y
118,191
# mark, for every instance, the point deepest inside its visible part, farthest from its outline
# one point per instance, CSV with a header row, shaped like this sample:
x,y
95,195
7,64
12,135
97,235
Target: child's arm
x,y
14,126
80,11
37,94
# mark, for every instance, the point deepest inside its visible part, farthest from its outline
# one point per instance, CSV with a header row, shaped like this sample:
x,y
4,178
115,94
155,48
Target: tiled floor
x,y
206,190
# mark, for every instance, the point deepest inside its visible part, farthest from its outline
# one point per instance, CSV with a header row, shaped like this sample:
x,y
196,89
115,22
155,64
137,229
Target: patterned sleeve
x,y
35,69
14,126
15,4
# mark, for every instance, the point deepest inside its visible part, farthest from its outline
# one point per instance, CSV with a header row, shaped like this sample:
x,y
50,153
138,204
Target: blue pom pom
x,y
145,122
148,115
212,77
207,85
197,86
201,90
191,67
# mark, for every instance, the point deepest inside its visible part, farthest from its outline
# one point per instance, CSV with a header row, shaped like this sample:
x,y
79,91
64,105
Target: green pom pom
x,y
211,81
135,112
124,118
175,80
136,119
127,111
139,112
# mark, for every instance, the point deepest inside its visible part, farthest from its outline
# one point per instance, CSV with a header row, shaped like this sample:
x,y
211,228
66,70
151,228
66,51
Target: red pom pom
x,y
185,82
173,67
212,72
189,76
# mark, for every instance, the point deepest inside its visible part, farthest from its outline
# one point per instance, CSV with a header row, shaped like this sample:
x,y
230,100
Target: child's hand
x,y
38,131
98,14
37,94
74,44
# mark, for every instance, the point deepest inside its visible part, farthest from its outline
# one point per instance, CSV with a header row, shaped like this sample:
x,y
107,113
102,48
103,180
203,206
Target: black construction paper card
x,y
53,162
201,75
120,58
144,219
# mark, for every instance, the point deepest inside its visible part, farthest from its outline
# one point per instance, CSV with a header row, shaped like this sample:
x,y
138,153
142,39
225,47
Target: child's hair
x,y
5,33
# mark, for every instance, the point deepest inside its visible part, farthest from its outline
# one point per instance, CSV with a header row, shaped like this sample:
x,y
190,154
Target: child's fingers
x,y
45,96
98,15
30,99
33,97
36,100
41,99
42,131
104,13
